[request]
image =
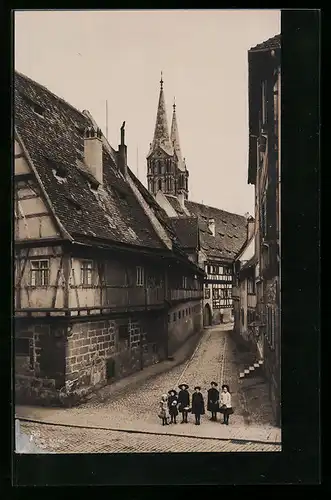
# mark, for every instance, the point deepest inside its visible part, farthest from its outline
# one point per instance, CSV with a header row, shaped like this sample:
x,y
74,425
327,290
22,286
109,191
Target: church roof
x,y
174,137
112,213
161,132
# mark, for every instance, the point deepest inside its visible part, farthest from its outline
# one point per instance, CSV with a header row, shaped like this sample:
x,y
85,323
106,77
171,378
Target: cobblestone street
x,y
56,439
136,409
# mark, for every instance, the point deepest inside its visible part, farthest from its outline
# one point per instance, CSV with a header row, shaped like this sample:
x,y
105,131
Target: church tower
x,y
166,169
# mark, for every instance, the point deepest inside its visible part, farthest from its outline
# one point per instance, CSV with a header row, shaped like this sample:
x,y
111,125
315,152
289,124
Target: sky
x,y
90,57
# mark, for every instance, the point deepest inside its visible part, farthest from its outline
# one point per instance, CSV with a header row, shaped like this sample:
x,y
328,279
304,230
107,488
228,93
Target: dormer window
x,y
36,108
74,204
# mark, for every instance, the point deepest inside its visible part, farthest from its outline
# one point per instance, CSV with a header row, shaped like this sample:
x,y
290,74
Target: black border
x,y
299,461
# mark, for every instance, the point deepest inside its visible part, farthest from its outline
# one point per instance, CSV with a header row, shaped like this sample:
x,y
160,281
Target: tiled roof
x,y
271,43
55,139
174,202
230,230
187,231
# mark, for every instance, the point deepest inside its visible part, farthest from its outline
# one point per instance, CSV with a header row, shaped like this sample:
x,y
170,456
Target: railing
x,y
182,294
133,296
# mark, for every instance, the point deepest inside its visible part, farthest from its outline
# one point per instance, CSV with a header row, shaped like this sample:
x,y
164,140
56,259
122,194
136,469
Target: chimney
x,y
181,199
93,152
250,226
122,153
211,226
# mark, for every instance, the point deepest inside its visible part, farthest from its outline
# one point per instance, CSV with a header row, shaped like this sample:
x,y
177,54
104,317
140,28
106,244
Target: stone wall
x,y
103,351
63,362
184,320
39,362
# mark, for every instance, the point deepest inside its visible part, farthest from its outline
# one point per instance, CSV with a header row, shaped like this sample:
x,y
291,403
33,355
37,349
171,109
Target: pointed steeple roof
x,y
161,132
174,137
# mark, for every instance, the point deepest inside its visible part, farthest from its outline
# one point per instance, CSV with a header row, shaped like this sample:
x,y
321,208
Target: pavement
x,y
126,412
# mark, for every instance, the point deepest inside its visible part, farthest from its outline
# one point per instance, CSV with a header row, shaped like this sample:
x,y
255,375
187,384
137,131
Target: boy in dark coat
x,y
213,401
184,402
198,405
173,402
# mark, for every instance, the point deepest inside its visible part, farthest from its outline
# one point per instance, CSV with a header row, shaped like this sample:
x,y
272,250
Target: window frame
x,y
86,272
140,276
39,276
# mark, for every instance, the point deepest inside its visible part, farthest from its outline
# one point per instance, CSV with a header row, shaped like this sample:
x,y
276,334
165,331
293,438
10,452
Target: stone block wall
x,y
184,320
39,371
64,363
93,346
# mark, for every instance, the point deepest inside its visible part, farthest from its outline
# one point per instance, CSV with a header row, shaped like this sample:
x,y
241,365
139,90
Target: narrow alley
x,y
135,410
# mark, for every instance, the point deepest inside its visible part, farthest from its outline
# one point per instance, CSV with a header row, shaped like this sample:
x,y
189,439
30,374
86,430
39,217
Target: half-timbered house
x,y
220,234
264,174
103,286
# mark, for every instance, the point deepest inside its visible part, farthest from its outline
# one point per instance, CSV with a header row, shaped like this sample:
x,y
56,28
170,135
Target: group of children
x,y
173,403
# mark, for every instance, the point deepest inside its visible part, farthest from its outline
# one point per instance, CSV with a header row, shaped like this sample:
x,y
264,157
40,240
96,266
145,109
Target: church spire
x,y
174,137
161,133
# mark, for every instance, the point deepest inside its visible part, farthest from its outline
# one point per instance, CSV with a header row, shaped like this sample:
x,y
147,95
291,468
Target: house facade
x,y
244,291
264,174
103,286
220,234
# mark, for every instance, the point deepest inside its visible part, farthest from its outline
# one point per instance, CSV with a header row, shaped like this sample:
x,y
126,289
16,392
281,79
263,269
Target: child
x,y
164,411
213,401
226,404
184,402
198,405
172,404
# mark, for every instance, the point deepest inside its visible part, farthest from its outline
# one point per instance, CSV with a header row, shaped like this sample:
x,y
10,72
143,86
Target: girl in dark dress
x,y
184,402
213,401
172,403
198,405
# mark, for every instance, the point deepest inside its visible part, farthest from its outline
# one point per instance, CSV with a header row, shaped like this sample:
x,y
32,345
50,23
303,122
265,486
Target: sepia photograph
x,y
147,230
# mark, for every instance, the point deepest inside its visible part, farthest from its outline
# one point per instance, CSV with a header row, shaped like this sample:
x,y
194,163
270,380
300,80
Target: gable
x,y
33,219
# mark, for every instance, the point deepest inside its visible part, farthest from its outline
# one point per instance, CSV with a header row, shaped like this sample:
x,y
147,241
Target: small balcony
x,y
131,297
185,294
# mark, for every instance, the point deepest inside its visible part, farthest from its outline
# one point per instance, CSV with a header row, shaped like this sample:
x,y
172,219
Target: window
x,y
264,217
140,276
216,293
174,316
22,347
250,286
86,272
184,282
123,332
39,272
160,184
179,314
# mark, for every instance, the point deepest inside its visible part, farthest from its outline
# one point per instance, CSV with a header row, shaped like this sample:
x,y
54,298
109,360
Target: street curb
x,y
132,431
